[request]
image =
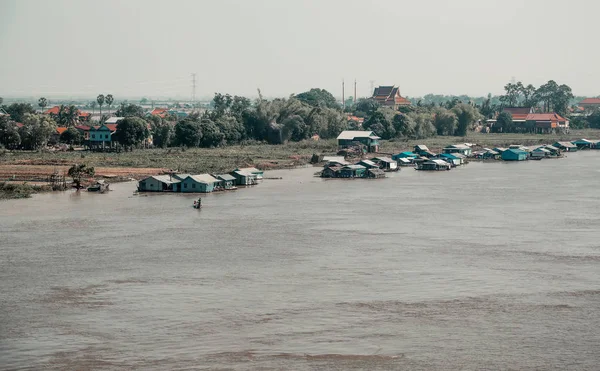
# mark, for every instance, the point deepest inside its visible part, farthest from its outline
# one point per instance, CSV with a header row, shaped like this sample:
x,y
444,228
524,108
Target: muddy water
x,y
489,266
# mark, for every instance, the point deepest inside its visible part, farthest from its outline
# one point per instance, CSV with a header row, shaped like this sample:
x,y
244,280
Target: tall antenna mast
x,y
343,95
193,89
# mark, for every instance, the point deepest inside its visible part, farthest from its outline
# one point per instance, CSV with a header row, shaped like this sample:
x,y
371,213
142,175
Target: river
x,y
487,266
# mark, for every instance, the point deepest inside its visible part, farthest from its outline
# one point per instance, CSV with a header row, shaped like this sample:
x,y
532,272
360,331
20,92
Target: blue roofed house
x,y
514,154
227,181
454,159
584,144
406,154
352,171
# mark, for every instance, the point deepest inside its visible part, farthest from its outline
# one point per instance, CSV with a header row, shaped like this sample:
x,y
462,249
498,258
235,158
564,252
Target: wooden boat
x,y
99,186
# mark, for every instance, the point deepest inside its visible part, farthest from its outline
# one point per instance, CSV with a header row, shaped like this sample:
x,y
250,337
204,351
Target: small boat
x,y
99,186
198,204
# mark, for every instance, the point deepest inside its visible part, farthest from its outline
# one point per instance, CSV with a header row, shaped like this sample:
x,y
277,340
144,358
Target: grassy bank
x,y
20,190
215,160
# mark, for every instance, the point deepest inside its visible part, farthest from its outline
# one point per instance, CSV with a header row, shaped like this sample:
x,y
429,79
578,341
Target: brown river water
x,y
488,266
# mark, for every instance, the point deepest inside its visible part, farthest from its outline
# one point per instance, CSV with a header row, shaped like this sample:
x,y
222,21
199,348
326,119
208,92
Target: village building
x,y
340,160
227,181
375,173
458,148
386,163
540,152
203,183
433,165
366,139
553,150
590,103
57,133
244,178
252,170
157,183
352,171
547,122
514,155
405,161
331,171
100,137
161,112
454,159
389,96
114,120
565,146
422,150
368,164
584,144
81,116
406,154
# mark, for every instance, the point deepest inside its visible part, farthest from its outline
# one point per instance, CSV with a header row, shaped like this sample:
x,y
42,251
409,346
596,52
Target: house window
x,y
193,185
106,136
151,184
93,135
184,185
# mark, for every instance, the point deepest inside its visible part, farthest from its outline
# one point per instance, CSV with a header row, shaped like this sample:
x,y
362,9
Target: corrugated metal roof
x,y
165,179
204,178
422,147
566,144
439,162
459,146
243,173
351,134
404,160
113,120
368,162
181,176
383,159
552,148
339,159
354,167
226,177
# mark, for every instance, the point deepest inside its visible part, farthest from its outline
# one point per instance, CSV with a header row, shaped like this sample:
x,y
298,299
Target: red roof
x,y
112,127
19,125
519,113
162,112
82,127
590,101
83,114
61,129
545,117
54,111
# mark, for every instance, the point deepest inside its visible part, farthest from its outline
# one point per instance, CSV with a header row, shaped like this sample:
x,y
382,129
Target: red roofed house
x,y
81,116
389,96
548,122
590,103
162,112
519,114
58,133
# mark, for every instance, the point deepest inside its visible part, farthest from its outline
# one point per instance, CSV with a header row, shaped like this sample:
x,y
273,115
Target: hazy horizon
x,y
150,48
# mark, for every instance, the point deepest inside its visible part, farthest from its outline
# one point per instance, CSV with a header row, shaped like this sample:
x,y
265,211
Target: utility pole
x,y
343,96
354,91
193,89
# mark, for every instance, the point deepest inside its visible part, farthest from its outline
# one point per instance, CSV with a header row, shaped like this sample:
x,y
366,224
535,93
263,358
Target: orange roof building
x,y
519,114
590,103
162,112
389,96
60,130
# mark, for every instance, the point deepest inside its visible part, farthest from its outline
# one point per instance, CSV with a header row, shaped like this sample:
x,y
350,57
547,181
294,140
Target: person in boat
x,y
198,204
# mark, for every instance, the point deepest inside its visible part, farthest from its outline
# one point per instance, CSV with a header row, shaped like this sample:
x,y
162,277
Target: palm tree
x,y
42,102
100,101
109,101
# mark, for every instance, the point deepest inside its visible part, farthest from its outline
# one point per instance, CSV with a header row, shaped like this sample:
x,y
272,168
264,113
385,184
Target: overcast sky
x,y
150,48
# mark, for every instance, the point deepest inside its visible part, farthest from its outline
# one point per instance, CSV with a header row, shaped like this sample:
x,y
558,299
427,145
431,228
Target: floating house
x,y
331,172
500,149
540,152
422,150
463,149
553,150
433,165
375,173
252,170
405,161
406,154
454,159
203,183
368,164
244,178
513,154
351,138
227,181
335,159
352,171
584,144
386,163
565,146
157,183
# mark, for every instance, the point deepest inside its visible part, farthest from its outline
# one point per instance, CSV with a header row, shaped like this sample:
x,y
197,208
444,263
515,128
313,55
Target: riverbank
x,y
10,190
27,166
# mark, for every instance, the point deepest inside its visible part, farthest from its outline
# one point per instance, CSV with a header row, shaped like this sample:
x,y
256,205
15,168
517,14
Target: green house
x,y
565,146
514,155
227,181
252,170
100,137
352,171
203,183
463,149
350,138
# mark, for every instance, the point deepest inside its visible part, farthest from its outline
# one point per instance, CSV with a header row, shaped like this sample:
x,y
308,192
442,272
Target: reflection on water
x,y
487,266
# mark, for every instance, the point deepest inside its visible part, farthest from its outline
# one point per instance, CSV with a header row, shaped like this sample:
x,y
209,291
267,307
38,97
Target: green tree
x,y
424,127
467,115
512,94
445,122
131,132
318,98
528,93
294,128
504,123
130,110
42,102
594,119
9,135
188,133
211,135
109,101
366,107
380,124
36,130
66,116
162,134
71,136
100,100
77,172
17,111
404,126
